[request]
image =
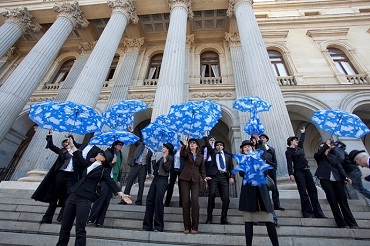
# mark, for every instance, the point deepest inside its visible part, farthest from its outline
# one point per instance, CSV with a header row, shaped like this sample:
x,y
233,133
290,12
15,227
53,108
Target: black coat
x,y
254,198
138,151
327,164
92,152
45,191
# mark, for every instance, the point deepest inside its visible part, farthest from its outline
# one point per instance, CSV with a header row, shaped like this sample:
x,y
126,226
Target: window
x,y
155,67
277,62
209,64
112,68
62,73
341,61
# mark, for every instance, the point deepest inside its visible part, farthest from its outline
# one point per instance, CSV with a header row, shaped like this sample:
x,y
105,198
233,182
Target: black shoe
x,y
225,222
208,221
354,227
280,208
166,205
277,224
59,220
98,225
44,222
138,203
122,202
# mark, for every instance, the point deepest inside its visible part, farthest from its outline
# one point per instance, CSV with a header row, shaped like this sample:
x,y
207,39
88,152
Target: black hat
x,y
290,139
170,147
246,142
65,140
264,135
193,139
353,154
117,142
210,137
219,141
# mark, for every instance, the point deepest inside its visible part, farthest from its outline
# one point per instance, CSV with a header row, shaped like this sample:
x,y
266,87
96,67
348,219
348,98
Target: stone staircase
x,y
19,216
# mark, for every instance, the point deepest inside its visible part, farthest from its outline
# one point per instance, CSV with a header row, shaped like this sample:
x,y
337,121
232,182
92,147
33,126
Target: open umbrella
x,y
252,166
194,118
106,138
37,111
155,135
251,104
68,117
120,115
340,123
254,125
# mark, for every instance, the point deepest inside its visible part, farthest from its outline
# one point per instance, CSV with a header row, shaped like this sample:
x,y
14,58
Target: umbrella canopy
x,y
194,118
252,166
67,117
251,104
155,135
106,138
38,110
254,125
340,123
120,115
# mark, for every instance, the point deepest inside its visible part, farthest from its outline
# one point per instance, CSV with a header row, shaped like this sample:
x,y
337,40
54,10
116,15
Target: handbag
x,y
98,186
270,183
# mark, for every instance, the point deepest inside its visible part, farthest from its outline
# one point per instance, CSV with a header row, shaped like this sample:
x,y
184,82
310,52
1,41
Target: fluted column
x,y
260,80
188,51
26,77
19,20
171,79
36,160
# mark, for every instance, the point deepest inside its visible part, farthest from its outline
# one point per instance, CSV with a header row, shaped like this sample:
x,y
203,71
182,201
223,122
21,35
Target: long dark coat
x,y
45,191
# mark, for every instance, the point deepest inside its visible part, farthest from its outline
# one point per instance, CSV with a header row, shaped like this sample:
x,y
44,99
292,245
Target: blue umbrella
x,y
69,117
155,135
251,104
340,123
108,137
38,110
120,115
254,125
252,166
194,118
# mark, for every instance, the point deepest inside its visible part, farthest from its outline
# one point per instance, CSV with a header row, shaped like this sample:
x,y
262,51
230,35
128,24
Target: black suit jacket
x,y
92,152
327,164
138,151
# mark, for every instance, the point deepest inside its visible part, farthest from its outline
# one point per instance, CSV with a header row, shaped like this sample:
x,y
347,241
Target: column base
x,y
34,176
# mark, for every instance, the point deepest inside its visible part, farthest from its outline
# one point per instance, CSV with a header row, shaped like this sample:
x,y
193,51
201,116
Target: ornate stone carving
x,y
133,43
72,12
11,54
211,94
142,96
86,47
22,17
232,38
183,3
189,40
126,7
233,4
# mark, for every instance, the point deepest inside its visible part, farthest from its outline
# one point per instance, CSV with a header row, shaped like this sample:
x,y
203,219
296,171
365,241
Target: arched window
x,y
113,67
341,61
62,73
209,64
155,66
278,64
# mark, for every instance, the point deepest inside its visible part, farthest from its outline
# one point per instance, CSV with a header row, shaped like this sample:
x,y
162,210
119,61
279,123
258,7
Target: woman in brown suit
x,y
190,177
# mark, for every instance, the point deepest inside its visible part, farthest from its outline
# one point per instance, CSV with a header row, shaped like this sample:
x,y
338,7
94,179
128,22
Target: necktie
x,y
221,161
143,160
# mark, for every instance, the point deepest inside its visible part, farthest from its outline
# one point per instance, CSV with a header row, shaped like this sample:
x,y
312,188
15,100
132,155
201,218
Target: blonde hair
x,y
361,155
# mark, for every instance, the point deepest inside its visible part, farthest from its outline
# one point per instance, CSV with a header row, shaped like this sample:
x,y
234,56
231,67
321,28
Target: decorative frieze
x,y
72,12
21,17
126,7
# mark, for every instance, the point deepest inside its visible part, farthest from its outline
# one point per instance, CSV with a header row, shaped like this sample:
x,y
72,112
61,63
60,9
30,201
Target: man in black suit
x,y
139,166
88,151
219,170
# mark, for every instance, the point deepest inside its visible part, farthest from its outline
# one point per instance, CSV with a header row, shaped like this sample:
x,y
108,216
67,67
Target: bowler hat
x,y
195,140
264,135
117,142
210,137
353,154
219,142
246,142
290,139
170,147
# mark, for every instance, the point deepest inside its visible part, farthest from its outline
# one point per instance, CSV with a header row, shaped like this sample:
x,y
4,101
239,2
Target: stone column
x,y
260,80
36,158
26,77
188,52
171,79
19,20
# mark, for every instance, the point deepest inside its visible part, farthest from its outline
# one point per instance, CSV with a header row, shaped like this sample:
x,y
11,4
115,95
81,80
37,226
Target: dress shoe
x,y
98,225
354,227
280,208
209,222
44,222
122,202
277,224
194,232
225,222
138,203
157,229
186,232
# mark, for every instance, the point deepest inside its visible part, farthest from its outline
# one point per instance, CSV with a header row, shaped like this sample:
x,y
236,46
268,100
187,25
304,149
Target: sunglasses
x,y
219,145
192,142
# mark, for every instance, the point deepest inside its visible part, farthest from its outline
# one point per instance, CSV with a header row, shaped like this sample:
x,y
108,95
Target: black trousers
x,y
154,204
63,182
100,206
138,171
174,173
190,204
337,198
275,192
79,208
310,205
220,182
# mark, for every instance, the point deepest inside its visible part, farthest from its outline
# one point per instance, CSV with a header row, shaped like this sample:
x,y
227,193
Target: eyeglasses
x,y
192,142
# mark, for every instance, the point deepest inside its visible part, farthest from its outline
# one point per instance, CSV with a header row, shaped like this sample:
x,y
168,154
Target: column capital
x,y
126,7
189,40
12,53
182,3
133,43
232,38
72,12
86,47
233,4
21,17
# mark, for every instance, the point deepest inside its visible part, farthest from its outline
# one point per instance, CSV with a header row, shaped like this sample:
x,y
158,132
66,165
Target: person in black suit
x,y
140,164
88,151
54,188
83,193
332,177
219,170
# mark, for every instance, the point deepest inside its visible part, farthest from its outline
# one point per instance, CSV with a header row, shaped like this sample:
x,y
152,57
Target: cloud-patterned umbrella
x,y
194,118
340,123
155,135
254,125
106,138
251,104
67,117
120,115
